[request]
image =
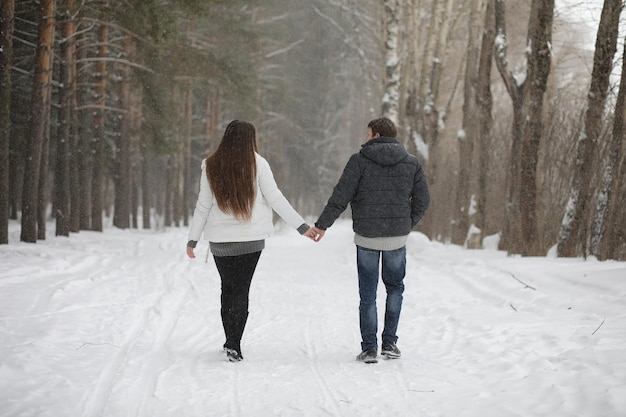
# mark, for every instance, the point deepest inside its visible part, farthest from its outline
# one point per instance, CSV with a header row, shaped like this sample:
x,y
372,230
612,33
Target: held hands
x,y
314,234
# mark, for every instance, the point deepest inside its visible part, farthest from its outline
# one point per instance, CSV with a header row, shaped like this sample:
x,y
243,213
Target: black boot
x,y
234,325
233,355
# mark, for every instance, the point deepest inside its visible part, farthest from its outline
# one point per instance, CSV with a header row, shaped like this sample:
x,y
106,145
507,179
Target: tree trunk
x,y
82,154
75,154
41,86
431,73
206,124
124,151
415,145
134,211
215,116
137,115
7,15
188,195
538,71
609,234
470,130
169,191
17,153
42,193
97,178
484,99
520,234
62,190
146,197
511,230
177,186
573,234
429,116
393,67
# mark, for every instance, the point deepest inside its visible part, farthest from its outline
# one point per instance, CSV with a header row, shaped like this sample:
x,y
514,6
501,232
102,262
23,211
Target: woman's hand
x,y
314,234
190,253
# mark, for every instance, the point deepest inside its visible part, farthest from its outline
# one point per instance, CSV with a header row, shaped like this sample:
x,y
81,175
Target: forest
x,y
107,108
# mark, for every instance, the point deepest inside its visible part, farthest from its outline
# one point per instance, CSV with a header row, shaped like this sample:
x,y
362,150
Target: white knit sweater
x,y
222,227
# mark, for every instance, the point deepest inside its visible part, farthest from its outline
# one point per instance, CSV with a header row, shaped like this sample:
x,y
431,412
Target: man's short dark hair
x,y
383,126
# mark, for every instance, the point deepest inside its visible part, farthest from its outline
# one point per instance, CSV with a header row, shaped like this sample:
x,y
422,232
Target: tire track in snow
x,y
495,291
449,308
44,296
168,312
161,316
436,320
331,401
470,290
235,408
99,397
497,288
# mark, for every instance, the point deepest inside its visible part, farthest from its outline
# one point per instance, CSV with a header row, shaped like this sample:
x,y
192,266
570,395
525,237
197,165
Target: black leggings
x,y
236,273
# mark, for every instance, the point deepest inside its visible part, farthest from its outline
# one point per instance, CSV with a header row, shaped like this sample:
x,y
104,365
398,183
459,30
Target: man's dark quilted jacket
x,y
385,187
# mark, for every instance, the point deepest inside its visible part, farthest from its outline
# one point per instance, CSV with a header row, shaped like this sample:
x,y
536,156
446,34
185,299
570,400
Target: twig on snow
x,y
96,344
522,282
594,332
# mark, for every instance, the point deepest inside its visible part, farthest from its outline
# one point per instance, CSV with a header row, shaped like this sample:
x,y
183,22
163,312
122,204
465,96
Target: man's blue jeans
x,y
393,272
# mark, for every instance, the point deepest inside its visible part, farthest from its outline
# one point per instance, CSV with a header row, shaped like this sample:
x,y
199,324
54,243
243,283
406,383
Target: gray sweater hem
x,y
236,248
380,243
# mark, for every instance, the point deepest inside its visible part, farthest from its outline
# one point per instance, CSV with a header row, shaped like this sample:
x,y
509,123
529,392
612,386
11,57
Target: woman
x,y
234,210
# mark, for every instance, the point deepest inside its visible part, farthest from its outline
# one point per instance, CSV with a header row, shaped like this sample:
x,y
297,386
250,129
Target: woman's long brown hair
x,y
231,170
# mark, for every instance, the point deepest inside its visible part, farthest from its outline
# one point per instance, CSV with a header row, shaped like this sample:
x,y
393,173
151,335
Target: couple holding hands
x,y
388,194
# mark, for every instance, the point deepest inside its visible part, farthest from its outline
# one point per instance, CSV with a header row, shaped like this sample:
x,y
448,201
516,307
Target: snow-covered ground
x,y
121,323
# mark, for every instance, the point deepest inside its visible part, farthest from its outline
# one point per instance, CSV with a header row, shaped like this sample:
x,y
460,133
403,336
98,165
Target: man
x,y
387,191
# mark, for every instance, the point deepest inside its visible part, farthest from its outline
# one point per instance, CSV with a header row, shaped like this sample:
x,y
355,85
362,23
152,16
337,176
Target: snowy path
x,y
123,324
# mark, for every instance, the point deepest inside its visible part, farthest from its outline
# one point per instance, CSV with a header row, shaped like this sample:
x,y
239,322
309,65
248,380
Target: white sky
x,y
587,14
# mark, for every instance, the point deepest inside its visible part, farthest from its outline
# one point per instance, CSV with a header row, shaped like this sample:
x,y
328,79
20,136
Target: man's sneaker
x,y
233,355
390,350
368,355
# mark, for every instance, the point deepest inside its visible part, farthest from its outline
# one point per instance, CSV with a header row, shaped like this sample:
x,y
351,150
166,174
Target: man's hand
x,y
315,234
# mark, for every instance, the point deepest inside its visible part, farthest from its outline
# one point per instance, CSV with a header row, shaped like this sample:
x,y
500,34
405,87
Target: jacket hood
x,y
384,151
